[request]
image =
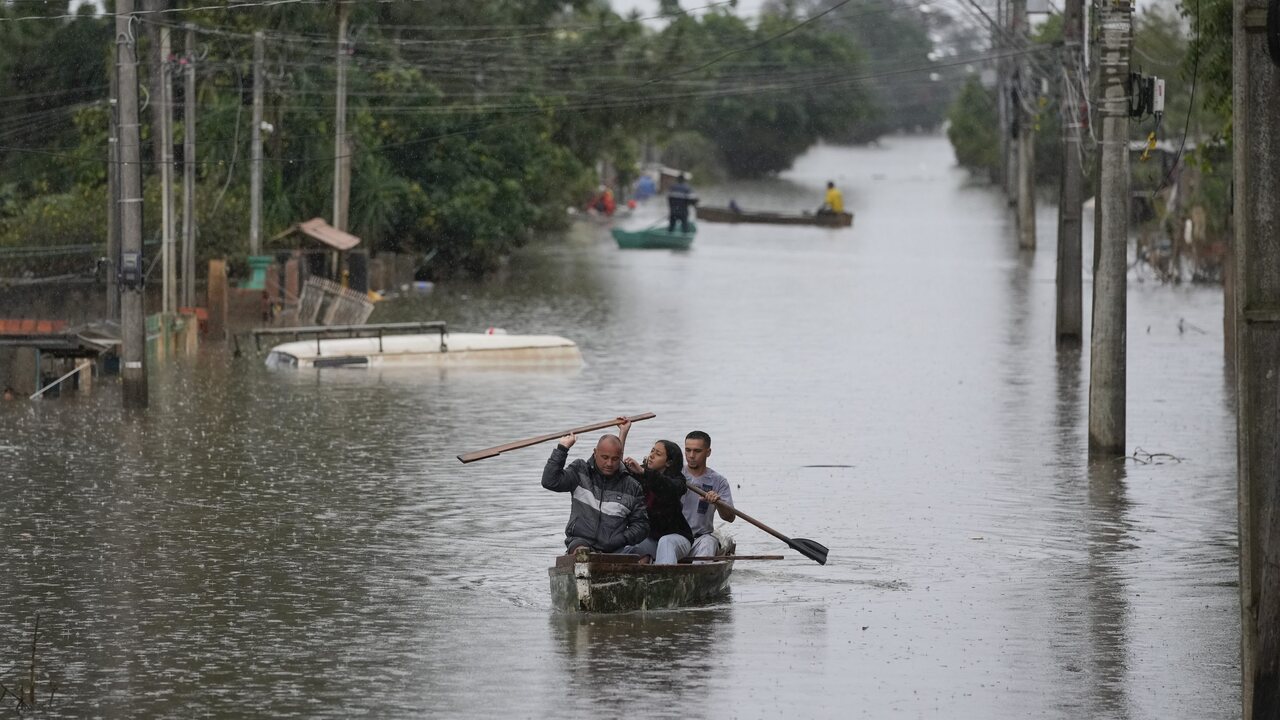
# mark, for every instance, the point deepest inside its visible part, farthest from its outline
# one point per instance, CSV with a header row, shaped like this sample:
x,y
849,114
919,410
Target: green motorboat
x,y
654,238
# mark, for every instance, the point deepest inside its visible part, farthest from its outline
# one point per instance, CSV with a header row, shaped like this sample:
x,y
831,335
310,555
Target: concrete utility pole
x,y
113,195
1003,106
1256,118
1111,238
341,147
1070,313
133,351
255,163
1025,136
189,174
164,103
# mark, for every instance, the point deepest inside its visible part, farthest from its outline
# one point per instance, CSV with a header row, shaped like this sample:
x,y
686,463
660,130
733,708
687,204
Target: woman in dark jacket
x,y
662,479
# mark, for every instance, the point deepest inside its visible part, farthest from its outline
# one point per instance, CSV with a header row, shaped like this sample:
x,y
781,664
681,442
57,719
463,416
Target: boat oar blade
x,y
478,455
816,552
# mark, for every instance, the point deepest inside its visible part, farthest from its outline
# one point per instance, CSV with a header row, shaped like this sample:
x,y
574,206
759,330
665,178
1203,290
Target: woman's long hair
x,y
675,459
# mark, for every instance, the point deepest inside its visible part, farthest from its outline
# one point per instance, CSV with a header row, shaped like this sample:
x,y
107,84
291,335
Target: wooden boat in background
x,y
727,215
654,238
619,583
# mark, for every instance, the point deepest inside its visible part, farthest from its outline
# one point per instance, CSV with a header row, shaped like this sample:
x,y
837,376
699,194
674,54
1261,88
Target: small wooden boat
x,y
443,349
727,215
654,238
619,583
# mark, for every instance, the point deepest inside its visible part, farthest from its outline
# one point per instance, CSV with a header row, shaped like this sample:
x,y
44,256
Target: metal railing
x,y
329,332
55,383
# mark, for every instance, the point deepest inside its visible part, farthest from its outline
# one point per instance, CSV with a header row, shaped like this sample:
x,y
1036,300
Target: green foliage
x,y
68,218
974,127
1208,55
895,37
695,153
764,132
466,138
1162,48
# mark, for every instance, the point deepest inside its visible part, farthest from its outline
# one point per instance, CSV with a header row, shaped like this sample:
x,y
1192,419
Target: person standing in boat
x,y
608,510
679,199
833,203
662,478
699,510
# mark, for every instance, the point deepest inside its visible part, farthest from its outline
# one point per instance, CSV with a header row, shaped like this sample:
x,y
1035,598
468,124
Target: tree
x,y
974,127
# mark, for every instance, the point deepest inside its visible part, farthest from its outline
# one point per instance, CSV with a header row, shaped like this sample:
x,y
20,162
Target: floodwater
x,y
306,544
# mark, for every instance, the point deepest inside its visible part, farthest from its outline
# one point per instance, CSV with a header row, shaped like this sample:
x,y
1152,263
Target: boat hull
x,y
725,215
656,238
430,350
617,583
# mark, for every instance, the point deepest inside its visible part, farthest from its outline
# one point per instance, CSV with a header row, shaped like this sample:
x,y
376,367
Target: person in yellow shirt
x,y
834,202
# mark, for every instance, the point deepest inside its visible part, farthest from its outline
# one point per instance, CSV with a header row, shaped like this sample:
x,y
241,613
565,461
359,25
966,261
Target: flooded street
x,y
306,544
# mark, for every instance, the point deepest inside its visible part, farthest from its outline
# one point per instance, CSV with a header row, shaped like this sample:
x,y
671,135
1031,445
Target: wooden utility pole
x,y
164,102
1111,240
1070,313
189,173
1256,167
341,146
1025,137
133,349
113,194
255,163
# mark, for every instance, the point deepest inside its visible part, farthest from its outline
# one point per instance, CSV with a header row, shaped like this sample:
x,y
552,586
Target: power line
x,y
524,110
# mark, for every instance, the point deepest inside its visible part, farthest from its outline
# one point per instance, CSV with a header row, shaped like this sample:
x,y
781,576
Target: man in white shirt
x,y
699,510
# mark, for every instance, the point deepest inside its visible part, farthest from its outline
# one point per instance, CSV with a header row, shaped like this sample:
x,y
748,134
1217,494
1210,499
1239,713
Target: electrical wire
x,y
1191,109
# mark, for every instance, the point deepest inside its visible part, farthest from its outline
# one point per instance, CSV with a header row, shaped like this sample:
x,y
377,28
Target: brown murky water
x,y
306,544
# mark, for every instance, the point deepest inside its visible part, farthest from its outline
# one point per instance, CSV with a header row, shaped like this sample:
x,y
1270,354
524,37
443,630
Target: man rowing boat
x,y
700,511
608,504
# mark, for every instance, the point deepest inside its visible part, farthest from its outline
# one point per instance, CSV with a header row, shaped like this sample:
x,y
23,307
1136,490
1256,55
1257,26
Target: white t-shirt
x,y
698,511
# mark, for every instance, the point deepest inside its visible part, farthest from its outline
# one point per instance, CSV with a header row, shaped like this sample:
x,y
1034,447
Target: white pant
x,y
666,550
705,546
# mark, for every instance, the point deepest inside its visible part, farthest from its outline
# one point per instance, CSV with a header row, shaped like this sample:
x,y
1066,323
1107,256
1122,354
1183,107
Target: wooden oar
x,y
517,444
816,552
714,558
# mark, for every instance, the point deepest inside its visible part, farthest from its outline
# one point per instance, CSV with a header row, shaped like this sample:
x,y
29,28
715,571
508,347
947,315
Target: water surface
x,y
306,545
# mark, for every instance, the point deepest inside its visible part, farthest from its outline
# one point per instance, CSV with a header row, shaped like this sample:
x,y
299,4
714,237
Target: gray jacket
x,y
608,512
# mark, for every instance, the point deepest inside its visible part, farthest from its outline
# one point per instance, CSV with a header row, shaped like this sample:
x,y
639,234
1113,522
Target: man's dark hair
x,y
699,435
830,184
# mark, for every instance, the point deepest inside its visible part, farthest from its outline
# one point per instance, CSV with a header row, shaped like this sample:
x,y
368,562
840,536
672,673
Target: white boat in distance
x,y
437,349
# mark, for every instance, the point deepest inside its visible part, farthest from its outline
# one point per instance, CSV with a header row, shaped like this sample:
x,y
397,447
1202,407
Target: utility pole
x,y
189,174
255,164
1111,239
1025,134
113,194
165,106
1256,167
1002,98
1070,315
341,147
133,349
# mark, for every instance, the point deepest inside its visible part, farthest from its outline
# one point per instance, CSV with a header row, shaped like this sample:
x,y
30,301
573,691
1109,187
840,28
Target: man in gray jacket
x,y
608,504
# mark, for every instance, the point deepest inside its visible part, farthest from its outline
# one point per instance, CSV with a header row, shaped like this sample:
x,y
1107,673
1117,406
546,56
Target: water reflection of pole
x,y
1108,530
1257,331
